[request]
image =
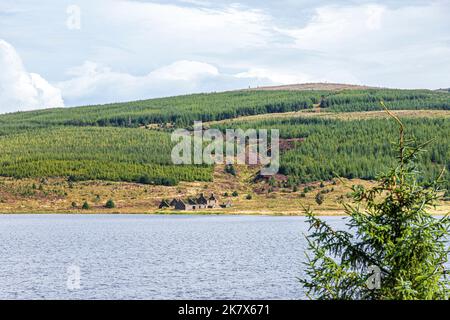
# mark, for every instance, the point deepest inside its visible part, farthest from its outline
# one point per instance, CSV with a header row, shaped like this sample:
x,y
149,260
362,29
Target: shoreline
x,y
186,213
320,213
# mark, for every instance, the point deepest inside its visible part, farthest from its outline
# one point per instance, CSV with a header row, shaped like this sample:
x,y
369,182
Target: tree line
x,y
182,111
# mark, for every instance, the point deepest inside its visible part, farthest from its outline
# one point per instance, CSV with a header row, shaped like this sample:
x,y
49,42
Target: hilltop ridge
x,y
315,86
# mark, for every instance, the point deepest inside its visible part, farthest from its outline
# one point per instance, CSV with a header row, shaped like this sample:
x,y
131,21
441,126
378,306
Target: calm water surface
x,y
152,257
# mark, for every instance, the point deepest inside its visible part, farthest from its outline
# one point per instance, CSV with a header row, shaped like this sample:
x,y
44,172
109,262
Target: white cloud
x,y
144,49
185,70
371,28
197,3
94,83
166,29
334,27
275,76
403,46
21,90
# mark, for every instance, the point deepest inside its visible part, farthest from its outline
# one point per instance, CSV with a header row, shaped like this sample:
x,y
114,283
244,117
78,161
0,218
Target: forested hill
x,y
183,110
107,142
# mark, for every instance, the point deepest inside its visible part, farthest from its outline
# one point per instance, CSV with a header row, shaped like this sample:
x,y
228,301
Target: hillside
x,y
52,158
315,86
183,110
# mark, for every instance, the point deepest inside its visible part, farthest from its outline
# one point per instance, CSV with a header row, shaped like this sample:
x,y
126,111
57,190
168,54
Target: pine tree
x,y
392,239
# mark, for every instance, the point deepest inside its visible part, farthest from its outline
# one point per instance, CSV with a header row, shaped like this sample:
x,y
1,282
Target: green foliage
x,y
75,143
320,198
390,228
183,110
110,204
229,168
354,148
86,206
88,153
368,100
235,194
164,181
272,181
71,179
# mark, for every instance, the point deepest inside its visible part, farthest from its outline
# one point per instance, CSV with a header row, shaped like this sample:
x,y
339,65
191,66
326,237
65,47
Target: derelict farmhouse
x,y
194,203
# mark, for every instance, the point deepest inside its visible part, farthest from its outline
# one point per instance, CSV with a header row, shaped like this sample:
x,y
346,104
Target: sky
x,y
57,53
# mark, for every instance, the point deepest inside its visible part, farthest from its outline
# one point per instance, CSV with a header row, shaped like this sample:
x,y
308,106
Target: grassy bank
x,y
58,196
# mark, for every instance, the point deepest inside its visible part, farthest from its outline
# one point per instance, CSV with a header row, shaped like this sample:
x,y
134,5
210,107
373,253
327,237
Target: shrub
x,y
272,182
248,197
320,198
110,204
74,178
229,168
167,181
86,206
164,181
308,189
144,180
235,194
